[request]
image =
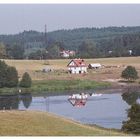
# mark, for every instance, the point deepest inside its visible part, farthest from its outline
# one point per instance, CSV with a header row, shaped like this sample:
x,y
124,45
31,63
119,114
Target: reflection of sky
x,y
108,110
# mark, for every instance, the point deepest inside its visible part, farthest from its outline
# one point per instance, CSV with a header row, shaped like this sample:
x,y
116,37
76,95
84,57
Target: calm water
x,y
108,110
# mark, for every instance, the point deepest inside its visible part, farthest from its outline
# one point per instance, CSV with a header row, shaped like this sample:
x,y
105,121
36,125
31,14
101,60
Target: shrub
x,y
26,80
130,73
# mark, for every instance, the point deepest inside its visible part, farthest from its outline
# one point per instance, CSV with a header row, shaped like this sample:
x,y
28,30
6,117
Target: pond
x,y
108,110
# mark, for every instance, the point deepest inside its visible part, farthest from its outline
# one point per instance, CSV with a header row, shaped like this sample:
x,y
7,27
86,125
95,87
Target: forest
x,y
86,42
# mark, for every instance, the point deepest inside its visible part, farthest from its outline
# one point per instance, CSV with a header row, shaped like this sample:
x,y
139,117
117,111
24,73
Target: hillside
x,y
119,39
31,123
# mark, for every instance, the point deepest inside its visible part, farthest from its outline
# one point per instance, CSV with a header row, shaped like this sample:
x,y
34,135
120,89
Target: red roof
x,y
77,63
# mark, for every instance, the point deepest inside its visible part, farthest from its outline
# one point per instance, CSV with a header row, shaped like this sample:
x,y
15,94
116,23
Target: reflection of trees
x,y
132,125
130,97
12,101
9,102
26,99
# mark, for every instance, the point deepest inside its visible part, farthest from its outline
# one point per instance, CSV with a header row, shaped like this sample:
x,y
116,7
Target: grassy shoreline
x,y
37,123
58,85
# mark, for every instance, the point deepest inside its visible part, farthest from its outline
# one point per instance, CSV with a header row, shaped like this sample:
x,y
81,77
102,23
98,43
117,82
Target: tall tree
x,y
88,49
11,77
17,51
2,51
8,75
53,50
3,68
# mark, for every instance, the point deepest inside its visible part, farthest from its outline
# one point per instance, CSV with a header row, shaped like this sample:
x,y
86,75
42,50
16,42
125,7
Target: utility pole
x,y
46,39
46,43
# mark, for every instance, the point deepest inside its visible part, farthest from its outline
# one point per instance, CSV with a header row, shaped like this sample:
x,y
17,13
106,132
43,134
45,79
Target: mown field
x,y
31,123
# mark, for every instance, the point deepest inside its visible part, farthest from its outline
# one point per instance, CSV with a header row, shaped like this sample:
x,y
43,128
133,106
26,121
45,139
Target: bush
x,y
130,73
26,80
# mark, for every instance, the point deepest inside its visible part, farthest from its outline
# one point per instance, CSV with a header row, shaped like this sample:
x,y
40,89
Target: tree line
x,y
87,42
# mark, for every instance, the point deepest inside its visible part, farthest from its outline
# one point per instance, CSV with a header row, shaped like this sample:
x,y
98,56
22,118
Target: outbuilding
x,y
94,66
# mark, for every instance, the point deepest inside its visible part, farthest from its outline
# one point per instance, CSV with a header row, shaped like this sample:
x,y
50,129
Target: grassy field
x,y
59,67
60,79
31,123
63,85
43,86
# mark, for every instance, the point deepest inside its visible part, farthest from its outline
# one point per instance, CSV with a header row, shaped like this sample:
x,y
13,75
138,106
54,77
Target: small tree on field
x,y
130,73
26,80
133,124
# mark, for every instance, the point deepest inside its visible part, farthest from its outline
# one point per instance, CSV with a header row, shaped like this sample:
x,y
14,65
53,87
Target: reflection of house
x,y
77,66
94,66
67,53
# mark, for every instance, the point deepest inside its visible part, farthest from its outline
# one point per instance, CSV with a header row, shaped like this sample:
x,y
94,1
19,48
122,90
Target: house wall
x,y
77,70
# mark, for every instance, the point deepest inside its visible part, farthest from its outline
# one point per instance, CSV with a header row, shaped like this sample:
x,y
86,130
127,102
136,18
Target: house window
x,y
79,71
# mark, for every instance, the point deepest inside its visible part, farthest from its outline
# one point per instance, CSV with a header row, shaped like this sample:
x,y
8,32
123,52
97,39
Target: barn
x,y
94,66
77,66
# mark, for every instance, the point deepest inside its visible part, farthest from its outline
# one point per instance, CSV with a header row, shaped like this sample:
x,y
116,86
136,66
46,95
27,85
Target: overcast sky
x,y
16,18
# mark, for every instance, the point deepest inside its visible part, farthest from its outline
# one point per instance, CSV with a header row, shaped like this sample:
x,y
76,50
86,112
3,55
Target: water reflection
x,y
131,97
107,111
26,99
8,102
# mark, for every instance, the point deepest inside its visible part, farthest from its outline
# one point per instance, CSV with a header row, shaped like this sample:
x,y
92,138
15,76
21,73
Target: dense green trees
x,y
3,68
18,51
8,75
15,51
101,41
133,124
26,81
11,77
129,73
2,51
88,50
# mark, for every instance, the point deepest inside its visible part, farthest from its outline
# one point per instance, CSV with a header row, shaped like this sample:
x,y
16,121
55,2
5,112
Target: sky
x,y
15,18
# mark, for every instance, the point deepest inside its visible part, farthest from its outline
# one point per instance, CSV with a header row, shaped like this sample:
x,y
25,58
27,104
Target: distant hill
x,y
104,38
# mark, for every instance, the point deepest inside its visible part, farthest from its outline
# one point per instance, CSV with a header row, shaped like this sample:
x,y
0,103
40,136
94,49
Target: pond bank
x,y
57,86
62,86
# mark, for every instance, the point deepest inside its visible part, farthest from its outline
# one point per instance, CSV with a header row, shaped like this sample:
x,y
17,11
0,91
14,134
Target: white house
x,y
94,66
67,53
76,66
